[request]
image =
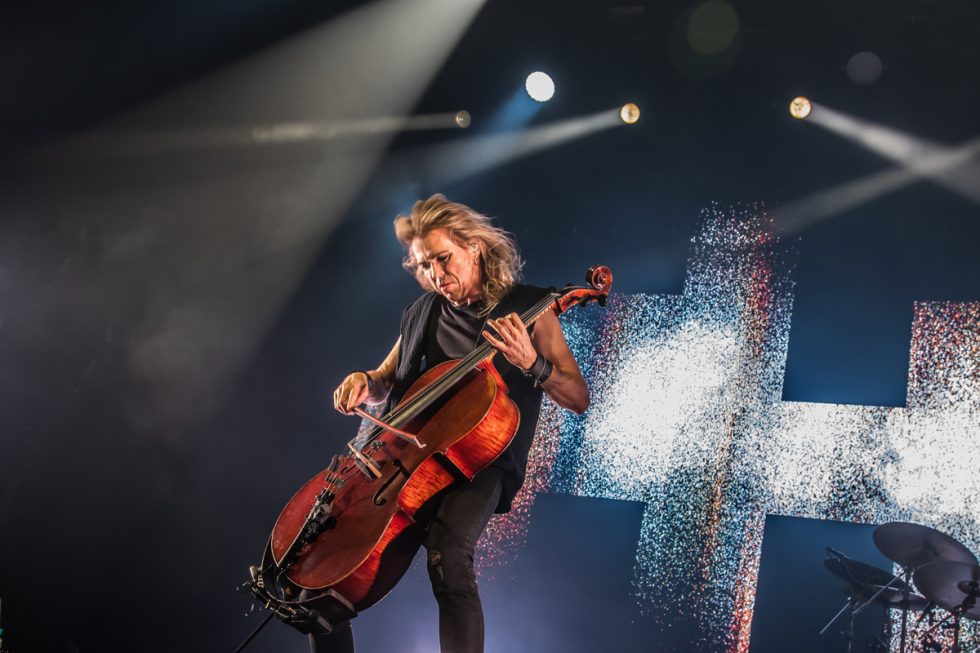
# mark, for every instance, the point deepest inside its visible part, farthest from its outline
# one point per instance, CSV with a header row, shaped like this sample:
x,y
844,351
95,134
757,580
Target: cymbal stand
x,y
957,615
882,644
905,611
849,633
930,633
874,596
968,604
927,641
905,596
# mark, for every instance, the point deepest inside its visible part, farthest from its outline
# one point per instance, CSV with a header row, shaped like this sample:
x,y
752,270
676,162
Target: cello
x,y
348,535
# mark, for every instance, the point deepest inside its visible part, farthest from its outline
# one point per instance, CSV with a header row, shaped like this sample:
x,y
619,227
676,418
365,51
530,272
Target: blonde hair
x,y
500,262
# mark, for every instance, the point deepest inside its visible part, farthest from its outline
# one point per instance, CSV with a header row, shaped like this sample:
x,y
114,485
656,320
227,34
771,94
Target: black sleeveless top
x,y
432,330
451,331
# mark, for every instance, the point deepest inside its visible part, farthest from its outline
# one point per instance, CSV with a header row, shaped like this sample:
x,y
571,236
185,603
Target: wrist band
x,y
540,370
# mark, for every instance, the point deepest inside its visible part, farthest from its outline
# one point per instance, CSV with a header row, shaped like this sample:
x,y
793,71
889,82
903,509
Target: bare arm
x,y
565,386
370,386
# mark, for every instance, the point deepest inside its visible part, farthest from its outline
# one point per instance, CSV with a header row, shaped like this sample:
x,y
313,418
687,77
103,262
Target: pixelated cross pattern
x,y
687,417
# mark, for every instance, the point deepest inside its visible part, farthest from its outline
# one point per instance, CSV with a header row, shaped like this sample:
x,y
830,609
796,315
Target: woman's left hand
x,y
513,341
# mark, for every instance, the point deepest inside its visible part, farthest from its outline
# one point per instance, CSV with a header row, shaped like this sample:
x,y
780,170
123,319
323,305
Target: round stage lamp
x,y
630,113
540,86
800,107
462,119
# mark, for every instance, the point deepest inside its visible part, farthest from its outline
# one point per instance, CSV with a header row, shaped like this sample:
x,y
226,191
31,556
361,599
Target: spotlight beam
x,y
320,131
208,262
796,216
954,168
450,162
115,142
925,158
890,143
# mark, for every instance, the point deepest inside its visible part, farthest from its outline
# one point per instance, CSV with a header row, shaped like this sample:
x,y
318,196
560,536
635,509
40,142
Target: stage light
x,y
540,86
462,119
800,108
630,113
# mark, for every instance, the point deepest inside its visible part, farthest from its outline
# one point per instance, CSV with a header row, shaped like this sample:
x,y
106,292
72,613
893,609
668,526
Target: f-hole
x,y
379,499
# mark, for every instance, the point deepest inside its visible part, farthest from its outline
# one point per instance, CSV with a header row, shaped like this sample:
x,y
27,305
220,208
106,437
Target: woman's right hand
x,y
353,391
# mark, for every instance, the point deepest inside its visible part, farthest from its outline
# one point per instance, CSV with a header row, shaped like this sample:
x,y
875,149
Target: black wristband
x,y
545,374
540,370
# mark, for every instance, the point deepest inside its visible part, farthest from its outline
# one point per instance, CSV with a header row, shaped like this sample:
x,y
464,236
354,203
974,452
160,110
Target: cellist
x,y
470,269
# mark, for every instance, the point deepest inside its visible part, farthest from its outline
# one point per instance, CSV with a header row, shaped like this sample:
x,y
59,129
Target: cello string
x,y
424,397
402,414
407,411
467,363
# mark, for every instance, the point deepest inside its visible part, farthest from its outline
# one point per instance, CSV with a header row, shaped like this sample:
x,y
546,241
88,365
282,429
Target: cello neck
x,y
600,280
483,352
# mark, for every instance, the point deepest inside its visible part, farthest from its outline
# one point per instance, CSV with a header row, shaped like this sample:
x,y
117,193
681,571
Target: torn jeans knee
x,y
435,564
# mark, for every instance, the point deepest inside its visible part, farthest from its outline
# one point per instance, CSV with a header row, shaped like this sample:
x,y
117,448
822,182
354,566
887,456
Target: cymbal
x,y
861,574
896,599
890,598
950,584
913,545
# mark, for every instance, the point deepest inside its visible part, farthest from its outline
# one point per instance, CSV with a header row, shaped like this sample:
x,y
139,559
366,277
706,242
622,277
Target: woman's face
x,y
453,269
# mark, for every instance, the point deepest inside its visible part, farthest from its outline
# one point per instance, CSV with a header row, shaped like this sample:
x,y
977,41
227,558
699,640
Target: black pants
x,y
451,538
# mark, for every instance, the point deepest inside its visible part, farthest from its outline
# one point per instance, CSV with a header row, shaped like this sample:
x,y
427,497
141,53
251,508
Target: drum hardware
x,y
867,584
944,571
912,547
849,633
955,586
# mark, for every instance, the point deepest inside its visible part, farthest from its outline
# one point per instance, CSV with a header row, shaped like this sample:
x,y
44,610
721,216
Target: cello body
x,y
374,532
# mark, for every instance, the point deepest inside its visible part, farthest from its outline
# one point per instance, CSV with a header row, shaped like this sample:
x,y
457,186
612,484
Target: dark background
x,y
149,441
